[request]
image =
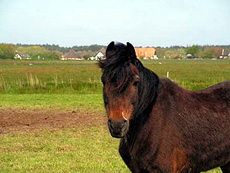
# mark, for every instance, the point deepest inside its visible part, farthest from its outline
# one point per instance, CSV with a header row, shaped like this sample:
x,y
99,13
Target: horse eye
x,y
136,83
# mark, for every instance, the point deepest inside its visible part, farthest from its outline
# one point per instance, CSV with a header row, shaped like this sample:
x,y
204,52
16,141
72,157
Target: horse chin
x,y
118,135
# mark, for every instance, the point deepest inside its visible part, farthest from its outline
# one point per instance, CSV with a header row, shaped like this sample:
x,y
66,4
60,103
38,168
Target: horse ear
x,y
131,51
109,48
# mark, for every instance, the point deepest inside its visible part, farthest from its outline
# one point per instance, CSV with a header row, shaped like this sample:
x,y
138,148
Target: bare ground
x,y
27,120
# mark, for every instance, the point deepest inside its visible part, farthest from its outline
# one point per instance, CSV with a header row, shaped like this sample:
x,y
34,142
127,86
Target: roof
x,y
71,54
99,54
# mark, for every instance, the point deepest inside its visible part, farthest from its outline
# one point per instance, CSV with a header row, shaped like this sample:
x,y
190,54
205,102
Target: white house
x,y
224,54
98,56
21,56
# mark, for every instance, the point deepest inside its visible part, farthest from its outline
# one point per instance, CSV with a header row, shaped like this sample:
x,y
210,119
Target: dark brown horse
x,y
164,128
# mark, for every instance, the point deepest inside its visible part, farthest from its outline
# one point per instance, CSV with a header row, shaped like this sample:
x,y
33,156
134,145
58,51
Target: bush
x,y
7,51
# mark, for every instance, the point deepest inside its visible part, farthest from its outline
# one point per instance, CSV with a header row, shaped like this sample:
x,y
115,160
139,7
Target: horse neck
x,y
147,96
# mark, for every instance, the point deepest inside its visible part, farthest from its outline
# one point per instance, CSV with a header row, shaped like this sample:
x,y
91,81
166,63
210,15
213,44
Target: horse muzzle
x,y
118,128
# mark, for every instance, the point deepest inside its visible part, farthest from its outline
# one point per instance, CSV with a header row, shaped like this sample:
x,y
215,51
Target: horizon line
x,y
42,44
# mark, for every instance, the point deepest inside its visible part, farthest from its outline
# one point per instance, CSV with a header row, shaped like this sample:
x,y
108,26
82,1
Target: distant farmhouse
x,y
20,55
148,53
71,55
99,55
225,54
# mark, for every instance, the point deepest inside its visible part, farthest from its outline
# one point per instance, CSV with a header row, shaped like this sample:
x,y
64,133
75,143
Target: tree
x,y
193,50
7,51
161,52
207,54
173,53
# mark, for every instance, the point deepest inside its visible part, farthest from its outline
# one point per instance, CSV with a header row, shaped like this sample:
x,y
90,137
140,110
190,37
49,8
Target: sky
x,y
140,22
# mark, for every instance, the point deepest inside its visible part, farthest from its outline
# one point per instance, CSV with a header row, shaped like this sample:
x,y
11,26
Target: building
x,y
99,55
146,52
71,55
224,54
20,55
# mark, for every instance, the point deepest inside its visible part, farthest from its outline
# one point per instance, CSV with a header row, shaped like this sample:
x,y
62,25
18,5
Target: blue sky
x,y
141,22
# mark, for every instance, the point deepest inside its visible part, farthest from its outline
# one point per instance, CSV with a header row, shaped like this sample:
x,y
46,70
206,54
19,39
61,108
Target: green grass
x,y
192,74
49,77
80,102
70,150
85,150
58,77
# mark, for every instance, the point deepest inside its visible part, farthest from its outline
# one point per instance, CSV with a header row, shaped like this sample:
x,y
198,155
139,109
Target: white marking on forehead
x,y
122,113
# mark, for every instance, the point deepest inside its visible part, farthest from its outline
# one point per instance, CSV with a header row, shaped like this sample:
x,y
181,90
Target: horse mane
x,y
117,69
147,90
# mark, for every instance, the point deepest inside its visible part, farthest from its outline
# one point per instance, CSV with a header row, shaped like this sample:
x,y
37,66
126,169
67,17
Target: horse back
x,y
215,98
196,123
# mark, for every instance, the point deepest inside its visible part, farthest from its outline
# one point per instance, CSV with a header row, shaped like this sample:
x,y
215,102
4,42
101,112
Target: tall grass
x,y
84,77
192,74
34,84
49,77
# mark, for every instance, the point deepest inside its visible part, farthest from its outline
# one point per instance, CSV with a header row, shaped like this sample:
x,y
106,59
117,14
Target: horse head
x,y
120,80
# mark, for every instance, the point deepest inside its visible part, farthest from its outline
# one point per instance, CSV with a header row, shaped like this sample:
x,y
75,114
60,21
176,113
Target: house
x,y
189,56
224,54
20,55
99,55
146,52
71,55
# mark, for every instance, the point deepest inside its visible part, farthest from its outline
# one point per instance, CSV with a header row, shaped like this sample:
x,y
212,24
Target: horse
x,y
162,127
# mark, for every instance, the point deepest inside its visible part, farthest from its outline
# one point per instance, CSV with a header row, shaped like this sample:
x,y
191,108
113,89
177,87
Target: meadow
x,y
75,86
83,77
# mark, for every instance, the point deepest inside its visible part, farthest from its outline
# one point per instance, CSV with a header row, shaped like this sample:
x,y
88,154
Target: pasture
x,y
52,117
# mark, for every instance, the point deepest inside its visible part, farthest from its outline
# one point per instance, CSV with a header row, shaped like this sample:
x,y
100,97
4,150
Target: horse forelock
x,y
118,69
119,76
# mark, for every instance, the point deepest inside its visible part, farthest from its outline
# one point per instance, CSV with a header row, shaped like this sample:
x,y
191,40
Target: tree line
x,y
195,51
46,51
52,51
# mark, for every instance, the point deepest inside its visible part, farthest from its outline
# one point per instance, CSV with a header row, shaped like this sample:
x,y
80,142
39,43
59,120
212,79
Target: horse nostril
x,y
110,123
123,123
117,124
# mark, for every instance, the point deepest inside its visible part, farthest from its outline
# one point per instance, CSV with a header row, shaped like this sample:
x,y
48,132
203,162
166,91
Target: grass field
x,y
58,77
76,86
77,102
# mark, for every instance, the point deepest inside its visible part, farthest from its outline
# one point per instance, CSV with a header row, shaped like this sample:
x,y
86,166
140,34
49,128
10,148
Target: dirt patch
x,y
24,120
